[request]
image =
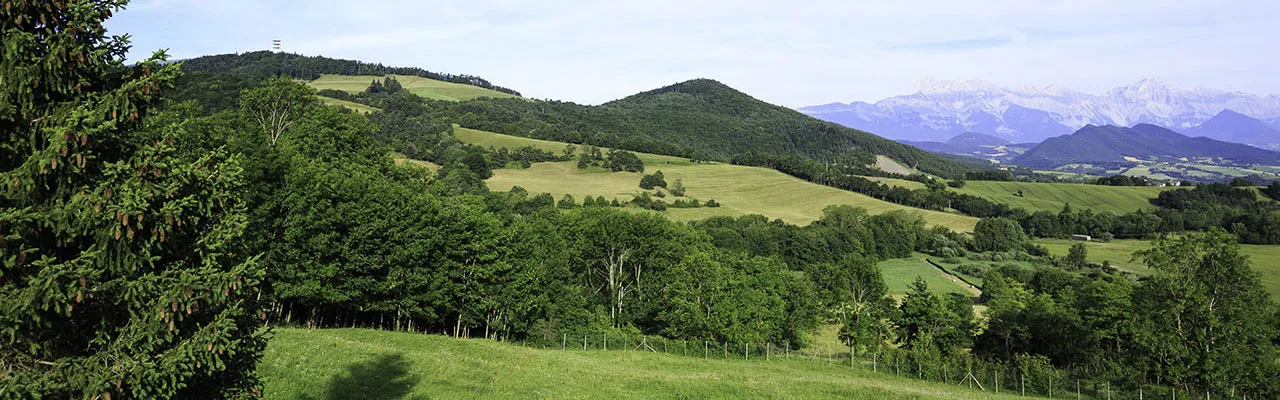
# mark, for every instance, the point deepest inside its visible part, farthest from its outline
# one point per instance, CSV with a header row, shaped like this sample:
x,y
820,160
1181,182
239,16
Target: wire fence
x,y
963,371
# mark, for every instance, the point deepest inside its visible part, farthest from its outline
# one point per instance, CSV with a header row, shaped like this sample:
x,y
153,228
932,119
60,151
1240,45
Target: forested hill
x,y
1101,144
266,63
701,119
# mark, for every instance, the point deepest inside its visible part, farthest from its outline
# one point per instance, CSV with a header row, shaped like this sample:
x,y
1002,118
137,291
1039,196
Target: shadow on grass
x,y
385,377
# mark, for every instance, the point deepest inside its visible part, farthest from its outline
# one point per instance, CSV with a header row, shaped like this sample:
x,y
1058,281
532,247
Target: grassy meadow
x,y
899,273
1265,259
741,190
1054,196
903,183
427,88
375,365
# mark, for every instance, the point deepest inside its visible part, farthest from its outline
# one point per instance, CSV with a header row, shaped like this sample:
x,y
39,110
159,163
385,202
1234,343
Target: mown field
x,y
1265,259
427,88
903,183
1054,196
375,365
900,273
741,190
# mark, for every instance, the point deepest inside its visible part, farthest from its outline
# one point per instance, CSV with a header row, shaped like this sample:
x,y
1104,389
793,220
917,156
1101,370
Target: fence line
x,y
964,371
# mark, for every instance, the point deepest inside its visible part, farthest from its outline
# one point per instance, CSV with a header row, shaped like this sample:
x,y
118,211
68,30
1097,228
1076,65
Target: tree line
x,y
272,64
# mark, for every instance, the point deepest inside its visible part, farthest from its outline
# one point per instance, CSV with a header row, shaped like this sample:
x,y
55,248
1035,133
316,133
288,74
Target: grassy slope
x,y
343,103
371,365
741,190
1265,259
906,184
428,88
889,165
900,273
1053,196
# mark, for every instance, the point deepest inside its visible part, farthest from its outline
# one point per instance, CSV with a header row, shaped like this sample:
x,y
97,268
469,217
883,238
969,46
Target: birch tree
x,y
277,105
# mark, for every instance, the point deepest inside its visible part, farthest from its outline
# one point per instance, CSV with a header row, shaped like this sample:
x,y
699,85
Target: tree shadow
x,y
385,377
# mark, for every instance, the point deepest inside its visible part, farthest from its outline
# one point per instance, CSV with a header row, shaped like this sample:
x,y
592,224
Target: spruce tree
x,y
115,280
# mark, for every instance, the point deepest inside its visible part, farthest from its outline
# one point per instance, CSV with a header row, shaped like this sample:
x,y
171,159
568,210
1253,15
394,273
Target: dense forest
x,y
150,240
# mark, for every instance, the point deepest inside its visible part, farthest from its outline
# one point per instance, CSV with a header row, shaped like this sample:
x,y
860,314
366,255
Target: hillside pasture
x,y
1265,260
902,183
427,88
741,190
1054,196
374,365
900,273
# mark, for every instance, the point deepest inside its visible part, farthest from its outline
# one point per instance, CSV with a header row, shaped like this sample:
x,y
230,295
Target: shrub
x,y
677,188
972,269
712,203
567,202
650,181
685,203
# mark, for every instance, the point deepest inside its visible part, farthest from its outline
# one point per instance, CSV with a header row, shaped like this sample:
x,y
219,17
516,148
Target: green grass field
x,y
1265,259
376,365
903,183
899,273
361,108
427,88
741,190
1053,196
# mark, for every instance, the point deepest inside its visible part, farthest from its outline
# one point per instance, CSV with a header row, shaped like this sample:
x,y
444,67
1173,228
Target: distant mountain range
x,y
1231,126
943,109
1146,142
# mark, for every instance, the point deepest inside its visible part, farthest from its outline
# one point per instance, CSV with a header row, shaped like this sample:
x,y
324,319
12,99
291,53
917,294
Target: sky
x,y
792,53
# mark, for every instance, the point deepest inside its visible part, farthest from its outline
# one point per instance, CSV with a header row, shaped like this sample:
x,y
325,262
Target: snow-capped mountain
x,y
942,109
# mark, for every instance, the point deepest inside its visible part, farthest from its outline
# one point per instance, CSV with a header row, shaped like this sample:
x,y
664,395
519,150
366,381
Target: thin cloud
x,y
957,45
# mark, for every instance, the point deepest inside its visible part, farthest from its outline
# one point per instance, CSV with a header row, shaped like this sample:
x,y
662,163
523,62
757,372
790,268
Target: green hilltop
x,y
699,119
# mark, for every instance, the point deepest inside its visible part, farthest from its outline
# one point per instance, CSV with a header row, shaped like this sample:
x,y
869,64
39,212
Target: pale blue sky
x,y
793,53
